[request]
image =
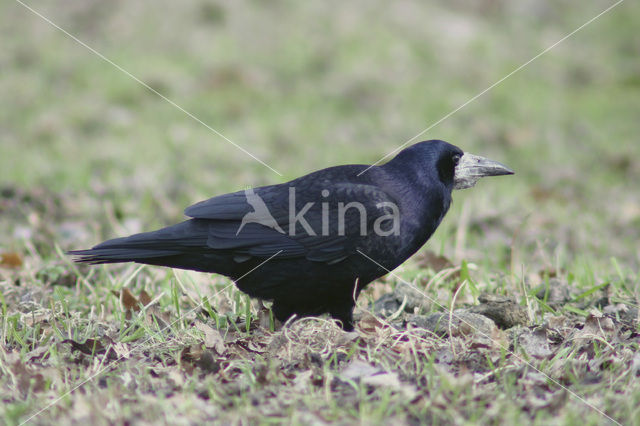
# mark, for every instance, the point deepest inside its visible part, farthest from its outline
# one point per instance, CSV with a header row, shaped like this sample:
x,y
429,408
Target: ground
x,y
523,307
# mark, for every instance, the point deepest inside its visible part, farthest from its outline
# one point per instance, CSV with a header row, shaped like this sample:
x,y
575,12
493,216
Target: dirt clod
x,y
504,311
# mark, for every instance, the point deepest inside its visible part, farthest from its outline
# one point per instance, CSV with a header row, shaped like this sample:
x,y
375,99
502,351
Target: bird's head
x,y
455,168
464,168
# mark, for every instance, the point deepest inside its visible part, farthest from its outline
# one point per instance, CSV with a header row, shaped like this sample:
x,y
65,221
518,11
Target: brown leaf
x,y
212,338
428,259
144,298
27,380
91,347
129,301
369,323
10,260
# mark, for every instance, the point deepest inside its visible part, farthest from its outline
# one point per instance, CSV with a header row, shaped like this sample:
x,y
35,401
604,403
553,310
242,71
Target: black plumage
x,y
304,244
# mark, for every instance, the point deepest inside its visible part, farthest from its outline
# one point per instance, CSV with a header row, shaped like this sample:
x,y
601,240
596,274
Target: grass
x,y
87,154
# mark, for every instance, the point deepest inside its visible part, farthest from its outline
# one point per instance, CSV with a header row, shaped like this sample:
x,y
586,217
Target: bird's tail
x,y
178,246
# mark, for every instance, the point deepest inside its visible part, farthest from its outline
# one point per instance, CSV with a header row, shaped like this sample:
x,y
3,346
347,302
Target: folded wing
x,y
323,223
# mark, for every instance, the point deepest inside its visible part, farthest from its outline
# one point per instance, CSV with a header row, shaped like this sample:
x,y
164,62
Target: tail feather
x,y
116,255
148,247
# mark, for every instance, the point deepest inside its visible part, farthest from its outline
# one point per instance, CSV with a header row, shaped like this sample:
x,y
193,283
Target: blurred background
x,y
88,153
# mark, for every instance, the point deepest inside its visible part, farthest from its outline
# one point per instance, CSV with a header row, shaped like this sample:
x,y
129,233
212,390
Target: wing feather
x,y
257,222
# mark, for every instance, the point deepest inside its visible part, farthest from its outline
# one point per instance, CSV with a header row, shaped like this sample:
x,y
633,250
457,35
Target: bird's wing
x,y
231,206
331,238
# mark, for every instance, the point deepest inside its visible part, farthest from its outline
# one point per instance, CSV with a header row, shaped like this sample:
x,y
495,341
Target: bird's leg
x,y
282,311
344,314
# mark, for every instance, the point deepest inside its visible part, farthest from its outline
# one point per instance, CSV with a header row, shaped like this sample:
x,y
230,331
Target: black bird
x,y
308,244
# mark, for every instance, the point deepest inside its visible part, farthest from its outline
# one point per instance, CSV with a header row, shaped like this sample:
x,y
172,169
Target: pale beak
x,y
471,168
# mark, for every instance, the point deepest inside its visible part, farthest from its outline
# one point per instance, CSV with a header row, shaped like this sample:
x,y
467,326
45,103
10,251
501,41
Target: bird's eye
x,y
456,159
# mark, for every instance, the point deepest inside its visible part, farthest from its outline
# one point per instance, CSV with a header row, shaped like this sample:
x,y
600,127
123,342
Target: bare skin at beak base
x,y
471,168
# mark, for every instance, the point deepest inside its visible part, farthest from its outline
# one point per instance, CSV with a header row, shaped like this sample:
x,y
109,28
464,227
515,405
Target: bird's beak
x,y
471,168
